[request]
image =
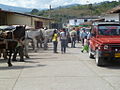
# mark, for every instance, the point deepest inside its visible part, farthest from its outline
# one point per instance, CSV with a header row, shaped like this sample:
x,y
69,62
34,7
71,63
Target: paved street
x,y
48,71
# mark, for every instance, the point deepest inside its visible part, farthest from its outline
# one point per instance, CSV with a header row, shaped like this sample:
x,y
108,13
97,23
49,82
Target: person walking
x,y
88,37
55,41
78,35
85,47
83,34
19,49
68,37
73,35
63,39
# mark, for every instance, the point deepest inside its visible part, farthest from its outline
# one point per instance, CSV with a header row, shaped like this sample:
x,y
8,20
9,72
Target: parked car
x,y
104,42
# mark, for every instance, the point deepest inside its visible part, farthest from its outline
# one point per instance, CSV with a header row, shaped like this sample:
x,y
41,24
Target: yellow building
x,y
13,18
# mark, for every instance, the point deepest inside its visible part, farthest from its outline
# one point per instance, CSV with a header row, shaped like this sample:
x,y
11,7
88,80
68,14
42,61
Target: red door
x,y
38,24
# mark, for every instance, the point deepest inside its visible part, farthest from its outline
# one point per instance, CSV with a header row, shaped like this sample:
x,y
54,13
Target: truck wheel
x,y
90,54
99,60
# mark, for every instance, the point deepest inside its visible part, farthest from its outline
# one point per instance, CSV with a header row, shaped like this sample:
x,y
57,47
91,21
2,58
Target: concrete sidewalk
x,y
48,71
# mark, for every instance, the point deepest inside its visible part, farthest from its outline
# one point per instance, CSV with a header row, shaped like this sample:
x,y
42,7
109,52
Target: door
x,y
38,24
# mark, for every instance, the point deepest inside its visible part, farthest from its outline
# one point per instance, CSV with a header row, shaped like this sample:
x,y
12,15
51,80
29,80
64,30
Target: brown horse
x,y
9,42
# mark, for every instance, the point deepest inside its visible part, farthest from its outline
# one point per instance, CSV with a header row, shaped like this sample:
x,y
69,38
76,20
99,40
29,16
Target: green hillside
x,y
64,13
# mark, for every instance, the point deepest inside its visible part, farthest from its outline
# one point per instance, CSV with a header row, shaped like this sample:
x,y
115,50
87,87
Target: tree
x,y
35,11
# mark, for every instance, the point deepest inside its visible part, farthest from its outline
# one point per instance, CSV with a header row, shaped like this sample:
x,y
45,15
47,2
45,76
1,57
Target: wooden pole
x,y
119,14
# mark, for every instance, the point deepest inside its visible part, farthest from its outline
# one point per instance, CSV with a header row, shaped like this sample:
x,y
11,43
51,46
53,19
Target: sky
x,y
42,4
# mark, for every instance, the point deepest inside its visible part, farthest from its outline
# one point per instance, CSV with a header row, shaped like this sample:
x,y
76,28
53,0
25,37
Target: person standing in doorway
x,y
55,41
63,39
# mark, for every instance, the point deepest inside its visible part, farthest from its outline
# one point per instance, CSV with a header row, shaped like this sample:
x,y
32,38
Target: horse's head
x,y
19,32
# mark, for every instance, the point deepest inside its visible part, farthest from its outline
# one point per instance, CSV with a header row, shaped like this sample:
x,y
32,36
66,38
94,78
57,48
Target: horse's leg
x,y
35,46
37,43
45,43
9,60
26,49
32,44
0,53
40,43
4,54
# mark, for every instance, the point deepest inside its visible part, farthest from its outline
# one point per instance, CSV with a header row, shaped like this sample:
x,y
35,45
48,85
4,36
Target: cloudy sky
x,y
45,3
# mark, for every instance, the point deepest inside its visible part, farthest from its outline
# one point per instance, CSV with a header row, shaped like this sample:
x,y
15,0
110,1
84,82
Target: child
x,y
85,47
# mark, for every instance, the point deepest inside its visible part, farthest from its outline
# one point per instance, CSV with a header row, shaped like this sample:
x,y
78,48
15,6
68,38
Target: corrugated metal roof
x,y
25,14
114,10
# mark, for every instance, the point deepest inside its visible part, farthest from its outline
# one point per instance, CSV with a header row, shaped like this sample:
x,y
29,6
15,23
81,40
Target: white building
x,y
113,14
111,17
80,20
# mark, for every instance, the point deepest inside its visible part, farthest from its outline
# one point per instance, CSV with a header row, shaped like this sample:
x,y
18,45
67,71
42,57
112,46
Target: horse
x,y
41,36
34,35
9,42
48,33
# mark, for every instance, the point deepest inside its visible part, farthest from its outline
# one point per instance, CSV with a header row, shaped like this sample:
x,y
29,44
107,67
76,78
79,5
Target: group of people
x,y
73,36
65,37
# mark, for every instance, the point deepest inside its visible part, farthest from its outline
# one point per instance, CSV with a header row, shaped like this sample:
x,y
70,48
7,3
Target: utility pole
x,y
90,8
49,11
49,16
119,13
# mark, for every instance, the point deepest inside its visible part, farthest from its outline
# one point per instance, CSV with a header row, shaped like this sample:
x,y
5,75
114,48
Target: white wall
x,y
109,17
79,21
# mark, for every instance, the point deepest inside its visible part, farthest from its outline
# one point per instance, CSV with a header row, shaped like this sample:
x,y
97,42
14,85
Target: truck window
x,y
109,30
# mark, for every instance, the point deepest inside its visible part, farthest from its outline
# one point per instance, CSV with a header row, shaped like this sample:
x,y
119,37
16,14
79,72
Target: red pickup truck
x,y
104,44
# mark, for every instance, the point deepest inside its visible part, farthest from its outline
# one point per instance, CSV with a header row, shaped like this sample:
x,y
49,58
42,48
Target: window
x,y
75,20
109,30
38,24
85,20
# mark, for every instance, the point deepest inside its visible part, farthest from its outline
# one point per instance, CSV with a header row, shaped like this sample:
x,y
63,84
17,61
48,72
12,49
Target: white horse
x,y
31,35
40,33
47,37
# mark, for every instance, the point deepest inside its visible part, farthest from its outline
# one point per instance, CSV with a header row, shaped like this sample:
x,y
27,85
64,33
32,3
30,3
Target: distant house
x,y
112,15
81,20
13,18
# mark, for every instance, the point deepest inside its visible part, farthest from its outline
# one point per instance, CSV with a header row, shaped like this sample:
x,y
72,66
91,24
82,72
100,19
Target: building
x,y
81,20
13,18
112,15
